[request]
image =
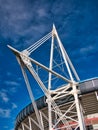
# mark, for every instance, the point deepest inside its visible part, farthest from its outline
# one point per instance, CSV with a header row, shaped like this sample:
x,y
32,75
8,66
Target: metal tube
x,y
16,52
71,65
65,60
30,93
49,83
38,45
30,123
39,41
79,112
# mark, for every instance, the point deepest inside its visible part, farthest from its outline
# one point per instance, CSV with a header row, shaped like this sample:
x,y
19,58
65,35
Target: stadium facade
x,y
70,104
87,96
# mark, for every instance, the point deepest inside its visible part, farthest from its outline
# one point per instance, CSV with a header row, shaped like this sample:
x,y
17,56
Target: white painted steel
x,y
52,95
49,83
31,96
63,55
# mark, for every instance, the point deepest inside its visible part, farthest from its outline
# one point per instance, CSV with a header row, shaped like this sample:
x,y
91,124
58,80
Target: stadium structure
x,y
68,103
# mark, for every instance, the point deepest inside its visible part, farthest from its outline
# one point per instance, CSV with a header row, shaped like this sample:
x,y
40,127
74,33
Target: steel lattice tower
x,y
63,118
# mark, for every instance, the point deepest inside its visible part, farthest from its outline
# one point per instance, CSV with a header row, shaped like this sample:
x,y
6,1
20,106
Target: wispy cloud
x,y
25,21
21,20
11,83
4,96
14,106
13,89
87,49
5,113
42,12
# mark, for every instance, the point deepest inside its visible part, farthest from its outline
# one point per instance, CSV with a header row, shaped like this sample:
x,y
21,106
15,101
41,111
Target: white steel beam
x,y
38,43
79,112
30,92
49,84
66,57
62,51
37,78
22,126
71,65
45,116
65,87
52,95
25,126
17,53
35,123
51,61
41,119
30,125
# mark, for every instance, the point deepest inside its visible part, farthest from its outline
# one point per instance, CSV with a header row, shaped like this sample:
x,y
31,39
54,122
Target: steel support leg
x,y
79,112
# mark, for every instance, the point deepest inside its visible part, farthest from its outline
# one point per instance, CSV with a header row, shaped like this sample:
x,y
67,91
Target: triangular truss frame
x,y
70,89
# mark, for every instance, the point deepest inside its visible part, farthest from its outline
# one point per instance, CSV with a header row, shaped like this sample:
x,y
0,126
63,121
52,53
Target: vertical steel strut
x,y
69,89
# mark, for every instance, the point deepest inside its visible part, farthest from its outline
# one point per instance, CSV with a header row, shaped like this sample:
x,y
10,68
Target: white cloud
x,y
13,90
21,20
5,113
11,83
87,49
42,12
14,106
13,86
4,96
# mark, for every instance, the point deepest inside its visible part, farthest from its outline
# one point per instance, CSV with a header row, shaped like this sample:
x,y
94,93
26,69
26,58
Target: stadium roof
x,y
87,98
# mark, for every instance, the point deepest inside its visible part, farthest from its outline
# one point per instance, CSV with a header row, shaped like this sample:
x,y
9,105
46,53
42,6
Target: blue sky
x,y
22,22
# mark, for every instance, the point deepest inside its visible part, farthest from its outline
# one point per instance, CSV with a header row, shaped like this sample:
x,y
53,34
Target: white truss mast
x,y
63,118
